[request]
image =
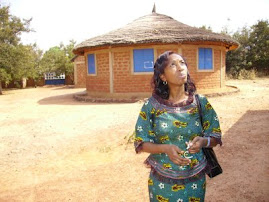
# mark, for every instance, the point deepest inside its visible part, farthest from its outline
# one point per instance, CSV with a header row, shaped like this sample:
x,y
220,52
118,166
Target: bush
x,y
17,84
237,73
247,74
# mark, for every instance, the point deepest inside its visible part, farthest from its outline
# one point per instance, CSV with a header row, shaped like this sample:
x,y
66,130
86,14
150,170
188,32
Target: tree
x,y
53,60
34,58
68,49
11,28
237,59
58,59
253,52
29,57
259,46
207,28
70,55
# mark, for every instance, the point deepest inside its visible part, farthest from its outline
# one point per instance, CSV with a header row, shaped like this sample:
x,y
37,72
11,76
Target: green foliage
x,y
58,59
252,56
4,76
238,58
237,73
259,45
11,27
19,61
11,51
204,27
247,74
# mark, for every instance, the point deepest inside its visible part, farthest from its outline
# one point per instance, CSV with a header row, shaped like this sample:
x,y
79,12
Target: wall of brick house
x,y
124,78
124,81
223,68
80,72
203,79
159,51
100,81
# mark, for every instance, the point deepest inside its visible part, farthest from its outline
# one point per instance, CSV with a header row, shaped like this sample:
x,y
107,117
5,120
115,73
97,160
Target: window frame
x,y
95,65
198,60
133,61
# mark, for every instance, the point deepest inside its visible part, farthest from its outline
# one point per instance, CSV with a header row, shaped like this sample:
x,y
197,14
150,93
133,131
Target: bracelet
x,y
208,142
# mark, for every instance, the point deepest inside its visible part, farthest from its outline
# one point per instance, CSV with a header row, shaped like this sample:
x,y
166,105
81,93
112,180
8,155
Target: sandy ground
x,y
53,148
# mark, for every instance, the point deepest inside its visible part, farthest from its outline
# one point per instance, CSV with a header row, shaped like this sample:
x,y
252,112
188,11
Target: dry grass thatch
x,y
154,28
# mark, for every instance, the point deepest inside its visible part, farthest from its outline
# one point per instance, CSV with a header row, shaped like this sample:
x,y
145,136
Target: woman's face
x,y
175,73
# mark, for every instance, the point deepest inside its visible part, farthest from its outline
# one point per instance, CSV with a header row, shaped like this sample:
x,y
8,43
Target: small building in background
x,y
120,63
52,79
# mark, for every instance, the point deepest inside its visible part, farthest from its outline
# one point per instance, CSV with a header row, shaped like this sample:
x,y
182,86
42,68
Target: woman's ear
x,y
162,77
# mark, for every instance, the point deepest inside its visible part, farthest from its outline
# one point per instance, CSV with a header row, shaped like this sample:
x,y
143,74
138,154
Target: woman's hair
x,y
158,86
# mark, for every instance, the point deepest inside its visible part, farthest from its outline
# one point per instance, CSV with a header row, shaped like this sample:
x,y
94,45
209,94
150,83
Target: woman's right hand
x,y
175,155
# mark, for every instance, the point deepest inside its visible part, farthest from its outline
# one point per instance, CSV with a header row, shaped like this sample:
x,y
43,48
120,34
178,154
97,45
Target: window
x,y
143,60
91,64
205,59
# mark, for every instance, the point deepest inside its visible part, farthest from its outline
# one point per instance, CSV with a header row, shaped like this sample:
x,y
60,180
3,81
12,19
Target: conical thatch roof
x,y
155,28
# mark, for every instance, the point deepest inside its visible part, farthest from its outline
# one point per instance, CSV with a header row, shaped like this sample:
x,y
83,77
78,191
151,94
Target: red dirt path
x,y
53,148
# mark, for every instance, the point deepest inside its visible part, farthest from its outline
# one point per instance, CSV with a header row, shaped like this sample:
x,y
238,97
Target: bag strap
x,y
199,110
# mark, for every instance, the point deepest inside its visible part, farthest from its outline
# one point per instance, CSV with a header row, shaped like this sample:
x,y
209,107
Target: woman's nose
x,y
180,66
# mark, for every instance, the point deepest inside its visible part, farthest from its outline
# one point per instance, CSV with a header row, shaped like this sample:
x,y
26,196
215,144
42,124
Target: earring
x,y
164,82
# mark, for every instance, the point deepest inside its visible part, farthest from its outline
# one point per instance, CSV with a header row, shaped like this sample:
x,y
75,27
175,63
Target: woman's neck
x,y
177,94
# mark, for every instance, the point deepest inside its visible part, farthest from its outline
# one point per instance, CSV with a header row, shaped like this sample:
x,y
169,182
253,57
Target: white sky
x,y
56,21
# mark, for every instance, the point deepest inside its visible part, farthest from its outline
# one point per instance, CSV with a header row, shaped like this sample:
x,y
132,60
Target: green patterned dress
x,y
162,123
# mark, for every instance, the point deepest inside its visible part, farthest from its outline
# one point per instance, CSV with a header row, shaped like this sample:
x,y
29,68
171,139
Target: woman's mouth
x,y
182,76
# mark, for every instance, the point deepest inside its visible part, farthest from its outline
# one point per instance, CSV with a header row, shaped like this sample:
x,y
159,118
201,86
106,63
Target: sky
x,y
59,21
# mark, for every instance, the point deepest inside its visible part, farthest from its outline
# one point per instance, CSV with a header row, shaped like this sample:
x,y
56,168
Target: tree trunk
x,y
1,93
23,83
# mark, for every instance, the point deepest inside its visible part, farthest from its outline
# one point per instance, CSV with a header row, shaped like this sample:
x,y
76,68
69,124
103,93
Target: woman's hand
x,y
174,153
196,144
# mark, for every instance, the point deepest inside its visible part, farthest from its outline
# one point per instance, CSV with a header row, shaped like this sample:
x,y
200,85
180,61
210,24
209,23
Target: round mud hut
x,y
119,64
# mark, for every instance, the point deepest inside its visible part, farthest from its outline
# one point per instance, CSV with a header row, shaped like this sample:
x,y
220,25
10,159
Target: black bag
x,y
213,167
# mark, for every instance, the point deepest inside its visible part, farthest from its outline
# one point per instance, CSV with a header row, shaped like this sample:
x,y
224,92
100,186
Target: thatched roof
x,y
155,28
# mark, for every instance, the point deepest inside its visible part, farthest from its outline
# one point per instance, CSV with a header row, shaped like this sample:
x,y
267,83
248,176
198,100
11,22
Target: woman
x,y
169,128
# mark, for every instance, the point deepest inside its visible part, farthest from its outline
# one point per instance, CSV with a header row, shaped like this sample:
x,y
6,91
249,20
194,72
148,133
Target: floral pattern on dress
x,y
143,115
206,125
167,166
164,138
208,106
162,124
180,124
150,182
193,110
177,187
194,199
162,199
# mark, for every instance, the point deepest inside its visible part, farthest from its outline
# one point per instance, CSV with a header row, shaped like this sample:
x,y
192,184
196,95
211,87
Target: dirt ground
x,y
53,148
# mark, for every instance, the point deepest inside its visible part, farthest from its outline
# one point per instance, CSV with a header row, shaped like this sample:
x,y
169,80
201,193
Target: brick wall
x,y
223,69
159,51
100,81
125,81
80,72
203,79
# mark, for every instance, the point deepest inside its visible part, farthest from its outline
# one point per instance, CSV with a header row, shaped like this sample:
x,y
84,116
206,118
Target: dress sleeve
x,y
144,126
211,123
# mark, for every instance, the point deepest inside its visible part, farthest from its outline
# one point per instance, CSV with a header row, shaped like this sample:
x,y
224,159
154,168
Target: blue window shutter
x,y
205,59
143,60
208,58
201,58
91,64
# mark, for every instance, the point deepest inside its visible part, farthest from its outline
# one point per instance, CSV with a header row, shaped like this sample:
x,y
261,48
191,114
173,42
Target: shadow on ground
x,y
244,155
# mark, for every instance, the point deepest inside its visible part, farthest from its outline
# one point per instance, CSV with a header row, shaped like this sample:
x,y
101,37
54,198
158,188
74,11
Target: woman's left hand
x,y
196,144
